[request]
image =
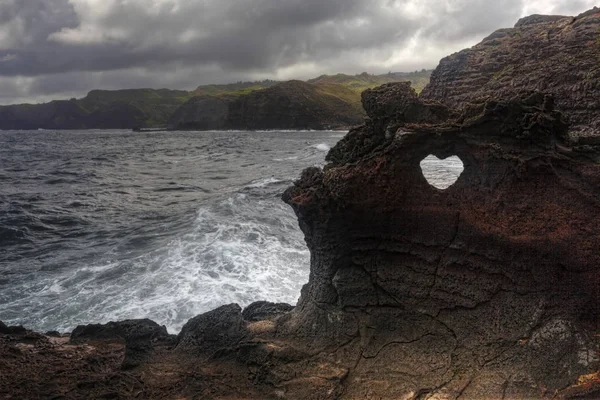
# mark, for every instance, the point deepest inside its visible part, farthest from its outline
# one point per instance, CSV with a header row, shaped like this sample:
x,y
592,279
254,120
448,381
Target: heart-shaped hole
x,y
442,174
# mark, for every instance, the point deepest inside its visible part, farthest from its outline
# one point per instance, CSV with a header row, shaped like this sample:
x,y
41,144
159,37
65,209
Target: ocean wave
x,y
238,250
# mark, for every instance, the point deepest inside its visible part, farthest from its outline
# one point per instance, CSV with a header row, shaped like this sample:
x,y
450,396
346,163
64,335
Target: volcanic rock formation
x,y
554,54
486,290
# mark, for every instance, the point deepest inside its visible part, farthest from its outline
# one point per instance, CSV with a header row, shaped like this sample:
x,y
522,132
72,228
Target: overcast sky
x,y
64,48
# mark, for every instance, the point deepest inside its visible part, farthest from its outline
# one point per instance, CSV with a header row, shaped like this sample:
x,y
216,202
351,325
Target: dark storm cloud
x,y
63,47
29,22
238,35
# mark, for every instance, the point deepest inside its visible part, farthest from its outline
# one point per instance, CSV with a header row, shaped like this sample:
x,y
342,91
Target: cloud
x,y
66,47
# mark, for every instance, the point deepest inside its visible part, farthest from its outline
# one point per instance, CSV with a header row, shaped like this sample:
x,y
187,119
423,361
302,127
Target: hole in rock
x,y
444,173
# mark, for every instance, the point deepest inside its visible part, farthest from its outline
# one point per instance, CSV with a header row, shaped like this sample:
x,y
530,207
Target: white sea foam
x,y
264,182
322,147
286,159
239,250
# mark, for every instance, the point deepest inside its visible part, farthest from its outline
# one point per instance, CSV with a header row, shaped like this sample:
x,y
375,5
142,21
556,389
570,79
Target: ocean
x,y
110,225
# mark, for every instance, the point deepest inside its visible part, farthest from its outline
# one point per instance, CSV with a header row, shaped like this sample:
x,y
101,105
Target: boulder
x,y
214,330
139,336
264,310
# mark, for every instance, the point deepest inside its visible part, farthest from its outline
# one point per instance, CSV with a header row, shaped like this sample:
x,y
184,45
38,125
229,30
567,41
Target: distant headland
x,y
326,102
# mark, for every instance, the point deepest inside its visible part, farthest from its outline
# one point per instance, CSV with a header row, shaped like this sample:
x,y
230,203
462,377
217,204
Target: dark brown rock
x,y
263,310
213,330
8,330
139,337
554,54
485,288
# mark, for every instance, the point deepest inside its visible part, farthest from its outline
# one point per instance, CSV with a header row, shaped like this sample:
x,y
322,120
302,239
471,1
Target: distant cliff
x,y
287,105
100,109
553,54
209,104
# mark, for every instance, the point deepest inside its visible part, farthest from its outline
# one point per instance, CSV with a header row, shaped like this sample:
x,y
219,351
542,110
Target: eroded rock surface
x,y
555,54
485,290
139,337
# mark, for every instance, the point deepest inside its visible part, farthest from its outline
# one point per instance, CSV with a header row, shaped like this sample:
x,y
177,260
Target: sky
x,y
58,49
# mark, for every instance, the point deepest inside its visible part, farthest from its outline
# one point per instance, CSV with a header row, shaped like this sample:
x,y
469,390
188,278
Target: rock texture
x,y
139,337
553,54
486,290
263,310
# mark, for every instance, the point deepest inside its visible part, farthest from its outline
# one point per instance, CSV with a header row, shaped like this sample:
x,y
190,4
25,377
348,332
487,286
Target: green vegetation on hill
x,y
103,109
361,82
286,105
125,109
233,89
357,83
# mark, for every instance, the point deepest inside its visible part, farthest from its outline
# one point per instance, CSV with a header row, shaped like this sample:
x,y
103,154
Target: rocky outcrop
x,y
485,290
139,337
214,330
553,54
264,310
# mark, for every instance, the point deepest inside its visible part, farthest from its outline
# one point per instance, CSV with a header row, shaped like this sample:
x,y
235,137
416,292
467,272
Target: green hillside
x,y
361,82
233,89
156,106
130,108
285,105
357,83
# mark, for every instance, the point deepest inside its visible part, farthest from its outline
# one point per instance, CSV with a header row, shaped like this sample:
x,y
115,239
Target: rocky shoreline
x,y
486,290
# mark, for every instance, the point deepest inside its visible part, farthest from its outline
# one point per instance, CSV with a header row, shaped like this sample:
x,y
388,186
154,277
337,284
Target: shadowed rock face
x,y
485,290
488,288
553,54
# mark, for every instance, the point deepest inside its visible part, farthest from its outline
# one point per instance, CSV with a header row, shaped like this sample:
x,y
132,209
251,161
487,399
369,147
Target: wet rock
x,y
263,310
